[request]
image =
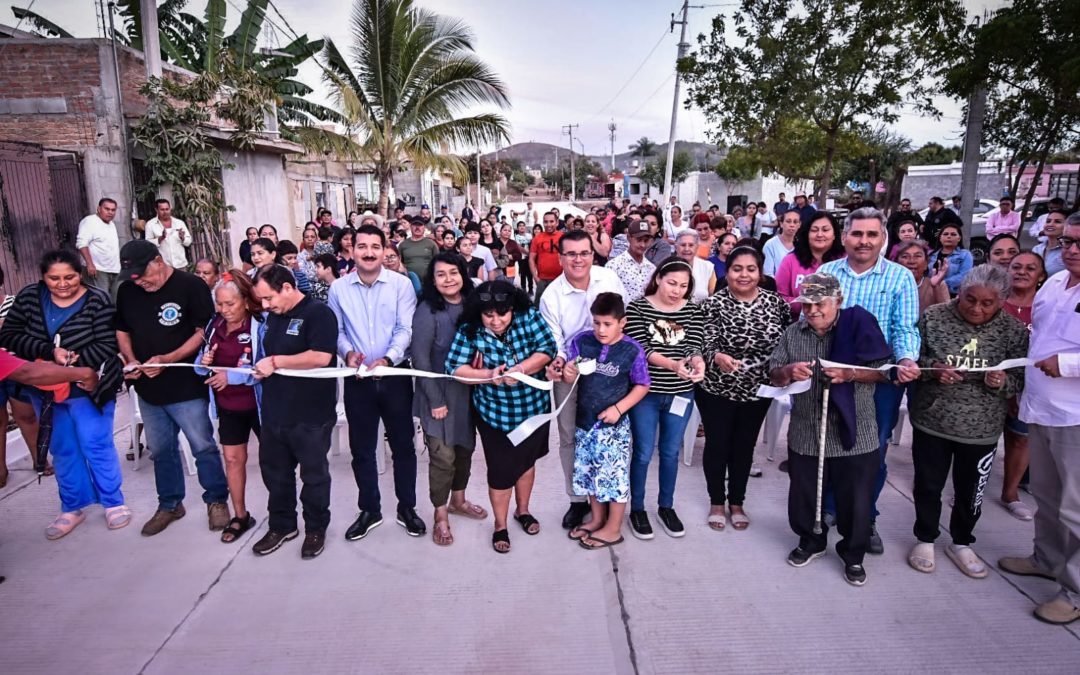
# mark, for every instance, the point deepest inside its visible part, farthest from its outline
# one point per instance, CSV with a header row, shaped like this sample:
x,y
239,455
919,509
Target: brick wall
x,y
54,69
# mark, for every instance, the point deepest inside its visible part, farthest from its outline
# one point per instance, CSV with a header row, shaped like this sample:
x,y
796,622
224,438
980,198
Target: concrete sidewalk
x,y
114,602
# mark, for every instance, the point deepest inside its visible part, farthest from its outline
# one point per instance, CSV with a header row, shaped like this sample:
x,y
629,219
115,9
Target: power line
x,y
649,97
27,10
632,75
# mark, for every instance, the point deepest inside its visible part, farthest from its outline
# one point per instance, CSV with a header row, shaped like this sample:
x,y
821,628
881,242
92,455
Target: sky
x,y
584,62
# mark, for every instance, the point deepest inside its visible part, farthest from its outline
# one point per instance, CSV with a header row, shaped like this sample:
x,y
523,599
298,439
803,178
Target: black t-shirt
x,y
160,322
311,325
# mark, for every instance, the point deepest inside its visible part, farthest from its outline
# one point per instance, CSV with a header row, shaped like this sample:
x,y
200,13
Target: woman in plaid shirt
x,y
500,332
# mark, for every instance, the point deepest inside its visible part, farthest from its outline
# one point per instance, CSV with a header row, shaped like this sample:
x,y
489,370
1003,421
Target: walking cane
x,y
821,457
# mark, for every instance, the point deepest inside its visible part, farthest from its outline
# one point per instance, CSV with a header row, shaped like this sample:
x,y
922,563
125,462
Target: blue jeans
x,y
646,419
83,453
163,424
887,399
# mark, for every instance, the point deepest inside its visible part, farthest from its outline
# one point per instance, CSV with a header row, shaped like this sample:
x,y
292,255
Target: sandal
x,y
528,523
440,533
1019,510
237,527
117,517
500,537
921,557
469,510
966,559
739,520
579,533
64,523
717,521
593,543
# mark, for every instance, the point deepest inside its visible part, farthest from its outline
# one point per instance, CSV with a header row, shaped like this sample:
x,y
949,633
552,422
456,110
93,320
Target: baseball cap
x,y
424,206
637,228
135,256
817,287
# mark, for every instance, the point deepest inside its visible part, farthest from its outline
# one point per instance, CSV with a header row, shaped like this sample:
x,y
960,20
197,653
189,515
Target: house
x,y
995,176
65,97
707,188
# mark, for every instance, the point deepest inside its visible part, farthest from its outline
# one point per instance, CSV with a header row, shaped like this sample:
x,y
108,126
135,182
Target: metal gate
x,y
27,216
69,197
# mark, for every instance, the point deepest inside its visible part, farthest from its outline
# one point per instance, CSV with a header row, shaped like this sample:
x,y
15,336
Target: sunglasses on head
x,y
497,297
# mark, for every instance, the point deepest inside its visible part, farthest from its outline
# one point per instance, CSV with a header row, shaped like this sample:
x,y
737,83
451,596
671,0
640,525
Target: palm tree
x,y
405,88
643,147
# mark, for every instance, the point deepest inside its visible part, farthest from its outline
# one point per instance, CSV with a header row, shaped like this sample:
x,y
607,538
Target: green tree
x,y
410,78
935,153
825,67
172,135
681,167
643,147
1026,57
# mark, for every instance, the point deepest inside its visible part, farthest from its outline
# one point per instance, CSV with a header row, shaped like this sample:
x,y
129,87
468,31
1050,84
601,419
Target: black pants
x,y
731,430
852,479
971,465
526,276
281,449
366,402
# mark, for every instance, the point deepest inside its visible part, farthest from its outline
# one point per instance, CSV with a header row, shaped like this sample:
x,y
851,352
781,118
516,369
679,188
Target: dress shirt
x,y
101,238
374,320
888,291
566,309
173,249
1055,329
997,222
633,275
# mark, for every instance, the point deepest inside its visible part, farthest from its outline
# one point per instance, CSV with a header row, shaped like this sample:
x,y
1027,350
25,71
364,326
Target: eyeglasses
x,y
1067,243
575,255
497,297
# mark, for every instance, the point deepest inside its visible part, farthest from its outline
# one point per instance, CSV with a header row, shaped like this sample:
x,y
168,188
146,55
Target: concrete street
x,y
115,602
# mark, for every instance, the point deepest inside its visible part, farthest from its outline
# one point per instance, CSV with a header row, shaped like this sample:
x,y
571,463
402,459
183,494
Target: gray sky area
x,y
564,61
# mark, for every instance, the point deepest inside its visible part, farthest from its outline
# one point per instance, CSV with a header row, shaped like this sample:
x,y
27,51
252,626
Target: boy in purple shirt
x,y
615,379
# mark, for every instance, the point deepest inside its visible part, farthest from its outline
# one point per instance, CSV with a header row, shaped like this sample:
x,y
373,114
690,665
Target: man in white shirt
x,y
170,235
631,266
565,307
99,245
1051,408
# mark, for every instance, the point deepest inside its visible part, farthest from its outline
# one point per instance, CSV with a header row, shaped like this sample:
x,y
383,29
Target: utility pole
x,y
479,185
611,129
683,48
573,176
151,41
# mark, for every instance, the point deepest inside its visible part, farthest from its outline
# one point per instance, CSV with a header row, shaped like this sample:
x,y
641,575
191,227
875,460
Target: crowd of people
x,y
642,318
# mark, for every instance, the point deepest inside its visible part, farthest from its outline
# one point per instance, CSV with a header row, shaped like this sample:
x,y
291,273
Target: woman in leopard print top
x,y
743,324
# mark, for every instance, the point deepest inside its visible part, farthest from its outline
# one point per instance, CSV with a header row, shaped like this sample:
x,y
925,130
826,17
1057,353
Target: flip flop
x,y
600,543
500,537
440,533
64,523
579,533
526,521
117,517
469,510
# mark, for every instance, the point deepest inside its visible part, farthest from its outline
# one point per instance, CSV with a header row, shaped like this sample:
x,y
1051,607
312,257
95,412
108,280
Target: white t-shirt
x,y
566,309
104,244
173,247
484,253
774,251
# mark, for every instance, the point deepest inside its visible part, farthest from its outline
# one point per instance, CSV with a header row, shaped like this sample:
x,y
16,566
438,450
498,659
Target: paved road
x,y
114,602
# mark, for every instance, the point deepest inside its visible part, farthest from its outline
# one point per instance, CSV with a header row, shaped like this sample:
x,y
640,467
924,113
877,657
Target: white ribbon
x,y
529,426
767,391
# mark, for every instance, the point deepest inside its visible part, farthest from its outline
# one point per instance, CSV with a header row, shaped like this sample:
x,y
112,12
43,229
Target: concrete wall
x,y
258,189
708,188
943,180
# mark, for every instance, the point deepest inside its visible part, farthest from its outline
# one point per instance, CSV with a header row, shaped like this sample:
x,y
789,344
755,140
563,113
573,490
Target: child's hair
x,y
608,304
329,261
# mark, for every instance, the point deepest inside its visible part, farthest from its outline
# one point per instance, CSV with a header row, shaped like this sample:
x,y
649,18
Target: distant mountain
x,y
542,155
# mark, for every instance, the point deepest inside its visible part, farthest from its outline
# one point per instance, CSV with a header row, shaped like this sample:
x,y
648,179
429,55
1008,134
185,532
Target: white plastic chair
x,y
774,422
898,430
690,436
136,434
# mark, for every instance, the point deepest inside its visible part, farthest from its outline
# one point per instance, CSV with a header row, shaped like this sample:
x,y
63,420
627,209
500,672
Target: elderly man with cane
x,y
833,430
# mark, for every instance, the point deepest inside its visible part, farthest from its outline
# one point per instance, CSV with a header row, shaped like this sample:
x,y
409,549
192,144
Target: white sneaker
x,y
755,471
966,559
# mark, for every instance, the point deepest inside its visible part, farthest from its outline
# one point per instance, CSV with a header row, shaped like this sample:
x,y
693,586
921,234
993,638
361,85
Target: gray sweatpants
x,y
1055,484
567,444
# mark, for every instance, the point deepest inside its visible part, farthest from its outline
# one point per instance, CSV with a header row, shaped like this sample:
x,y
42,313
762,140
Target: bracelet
x,y
616,406
273,362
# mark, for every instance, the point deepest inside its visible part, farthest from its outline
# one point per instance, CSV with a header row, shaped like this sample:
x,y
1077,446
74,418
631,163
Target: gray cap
x,y
817,287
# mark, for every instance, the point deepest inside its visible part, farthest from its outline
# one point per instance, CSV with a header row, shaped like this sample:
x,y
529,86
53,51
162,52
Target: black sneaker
x,y
272,541
783,466
314,543
855,574
670,522
876,545
575,515
412,523
800,557
364,523
640,526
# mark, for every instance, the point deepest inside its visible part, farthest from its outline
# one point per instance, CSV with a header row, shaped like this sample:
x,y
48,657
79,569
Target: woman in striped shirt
x,y
669,326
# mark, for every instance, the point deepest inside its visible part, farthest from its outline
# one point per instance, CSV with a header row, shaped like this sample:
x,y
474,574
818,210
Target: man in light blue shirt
x,y
888,291
374,308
